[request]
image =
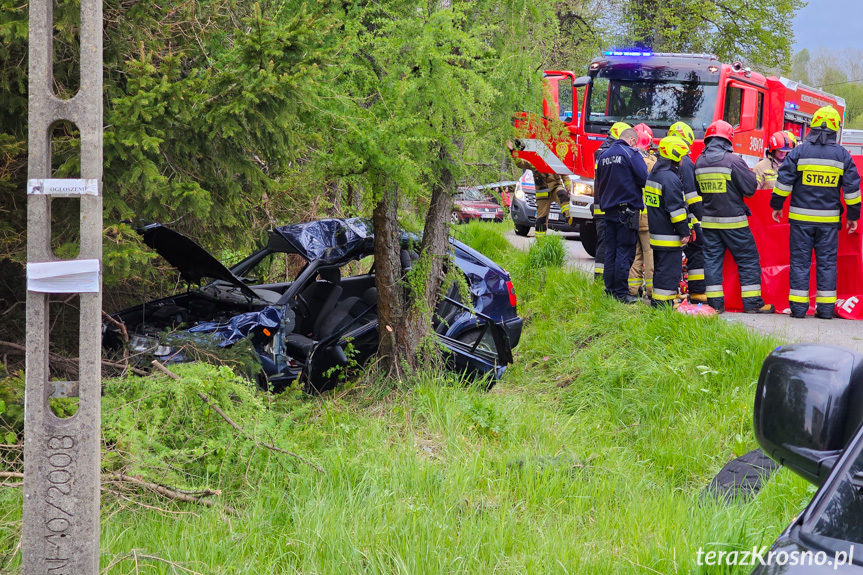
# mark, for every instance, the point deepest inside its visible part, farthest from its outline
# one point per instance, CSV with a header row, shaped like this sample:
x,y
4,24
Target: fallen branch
x,y
164,491
122,327
161,368
70,363
231,422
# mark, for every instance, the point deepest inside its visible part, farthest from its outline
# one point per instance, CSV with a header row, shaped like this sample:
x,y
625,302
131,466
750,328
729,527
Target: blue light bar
x,y
628,53
792,106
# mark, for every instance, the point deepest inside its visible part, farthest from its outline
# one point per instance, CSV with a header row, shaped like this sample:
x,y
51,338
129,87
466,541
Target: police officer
x,y
641,272
620,177
812,174
723,181
547,186
778,146
694,250
598,214
668,219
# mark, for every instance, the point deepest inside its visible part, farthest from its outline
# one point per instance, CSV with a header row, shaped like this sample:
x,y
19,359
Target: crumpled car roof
x,y
329,240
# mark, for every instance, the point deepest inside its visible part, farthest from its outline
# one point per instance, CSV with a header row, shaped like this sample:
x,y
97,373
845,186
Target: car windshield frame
x,y
814,528
687,97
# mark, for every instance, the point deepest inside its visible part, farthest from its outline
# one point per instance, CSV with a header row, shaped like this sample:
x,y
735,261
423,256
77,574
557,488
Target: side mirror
x,y
808,406
581,81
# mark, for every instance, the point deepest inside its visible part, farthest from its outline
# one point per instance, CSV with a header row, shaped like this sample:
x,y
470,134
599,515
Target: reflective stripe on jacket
x,y
813,174
723,180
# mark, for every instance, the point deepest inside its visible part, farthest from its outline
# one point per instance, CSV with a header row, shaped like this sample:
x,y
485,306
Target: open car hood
x,y
192,261
329,240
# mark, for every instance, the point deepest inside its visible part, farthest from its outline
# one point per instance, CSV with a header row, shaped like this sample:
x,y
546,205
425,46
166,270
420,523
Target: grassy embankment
x,y
587,458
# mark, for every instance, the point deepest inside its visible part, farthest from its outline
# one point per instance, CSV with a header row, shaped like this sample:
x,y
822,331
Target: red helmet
x,y
645,136
720,129
780,142
643,128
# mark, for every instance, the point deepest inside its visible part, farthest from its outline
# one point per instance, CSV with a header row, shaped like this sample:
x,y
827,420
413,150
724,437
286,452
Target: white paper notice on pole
x,y
62,187
72,276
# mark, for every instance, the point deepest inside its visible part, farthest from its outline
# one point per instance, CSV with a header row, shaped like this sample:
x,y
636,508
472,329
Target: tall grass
x,y
589,457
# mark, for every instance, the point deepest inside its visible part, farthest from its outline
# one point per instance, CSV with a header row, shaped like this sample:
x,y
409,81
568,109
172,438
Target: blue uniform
x,y
813,174
620,177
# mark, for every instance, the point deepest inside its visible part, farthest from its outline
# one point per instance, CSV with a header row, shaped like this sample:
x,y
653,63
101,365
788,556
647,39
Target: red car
x,y
470,204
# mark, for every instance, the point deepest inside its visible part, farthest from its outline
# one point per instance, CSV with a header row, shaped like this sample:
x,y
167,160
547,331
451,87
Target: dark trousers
x,y
695,264
599,260
741,244
824,241
620,240
667,270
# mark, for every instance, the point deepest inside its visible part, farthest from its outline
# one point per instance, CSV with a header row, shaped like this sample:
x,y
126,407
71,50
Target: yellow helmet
x,y
682,130
791,138
827,117
617,128
673,148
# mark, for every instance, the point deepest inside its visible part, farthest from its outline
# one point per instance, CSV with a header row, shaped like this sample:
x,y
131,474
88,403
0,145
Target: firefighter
x,y
723,181
812,175
694,250
620,177
547,186
641,272
668,219
598,214
778,146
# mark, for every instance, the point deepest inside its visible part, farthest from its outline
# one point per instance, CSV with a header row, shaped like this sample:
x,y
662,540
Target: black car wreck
x,y
809,417
325,319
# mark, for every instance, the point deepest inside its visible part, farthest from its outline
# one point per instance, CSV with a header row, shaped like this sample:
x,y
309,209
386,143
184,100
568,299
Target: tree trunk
x,y
405,316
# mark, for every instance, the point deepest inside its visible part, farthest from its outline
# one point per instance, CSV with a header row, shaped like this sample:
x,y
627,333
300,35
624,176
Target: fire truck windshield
x,y
658,102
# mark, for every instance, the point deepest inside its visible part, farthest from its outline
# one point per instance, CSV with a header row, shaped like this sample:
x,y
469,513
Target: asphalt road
x,y
839,332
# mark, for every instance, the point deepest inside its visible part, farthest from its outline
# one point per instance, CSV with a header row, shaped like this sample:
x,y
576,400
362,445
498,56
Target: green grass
x,y
588,457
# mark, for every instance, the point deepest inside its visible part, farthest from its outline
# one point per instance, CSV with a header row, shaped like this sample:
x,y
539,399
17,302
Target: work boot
x,y
798,315
820,315
697,298
767,308
718,308
630,299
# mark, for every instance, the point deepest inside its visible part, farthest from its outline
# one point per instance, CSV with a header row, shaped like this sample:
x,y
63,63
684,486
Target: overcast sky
x,y
833,24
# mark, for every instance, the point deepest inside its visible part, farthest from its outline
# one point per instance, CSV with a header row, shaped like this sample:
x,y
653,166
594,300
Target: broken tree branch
x,y
161,368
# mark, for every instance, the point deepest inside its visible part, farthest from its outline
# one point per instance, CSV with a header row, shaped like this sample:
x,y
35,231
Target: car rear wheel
x,y
588,238
521,230
454,218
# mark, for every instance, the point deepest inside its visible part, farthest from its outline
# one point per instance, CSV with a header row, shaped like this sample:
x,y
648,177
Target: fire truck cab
x,y
657,89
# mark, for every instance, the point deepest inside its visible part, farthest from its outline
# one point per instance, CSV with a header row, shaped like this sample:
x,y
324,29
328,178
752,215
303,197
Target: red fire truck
x,y
660,89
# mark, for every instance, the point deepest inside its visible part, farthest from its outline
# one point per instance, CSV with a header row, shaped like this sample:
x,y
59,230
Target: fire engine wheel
x,y
454,218
521,230
588,238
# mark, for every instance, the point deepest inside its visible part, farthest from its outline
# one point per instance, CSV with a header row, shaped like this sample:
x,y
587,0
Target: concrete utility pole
x,y
60,532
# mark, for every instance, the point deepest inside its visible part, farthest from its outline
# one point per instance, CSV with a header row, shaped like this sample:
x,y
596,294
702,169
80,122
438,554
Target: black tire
x,y
521,230
588,237
742,478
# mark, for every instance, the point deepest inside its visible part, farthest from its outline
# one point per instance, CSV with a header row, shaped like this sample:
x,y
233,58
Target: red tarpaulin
x,y
773,248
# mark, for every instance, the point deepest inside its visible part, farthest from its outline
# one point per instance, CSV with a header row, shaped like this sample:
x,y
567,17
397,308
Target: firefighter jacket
x,y
765,172
620,177
606,144
812,175
544,182
690,189
723,181
667,217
